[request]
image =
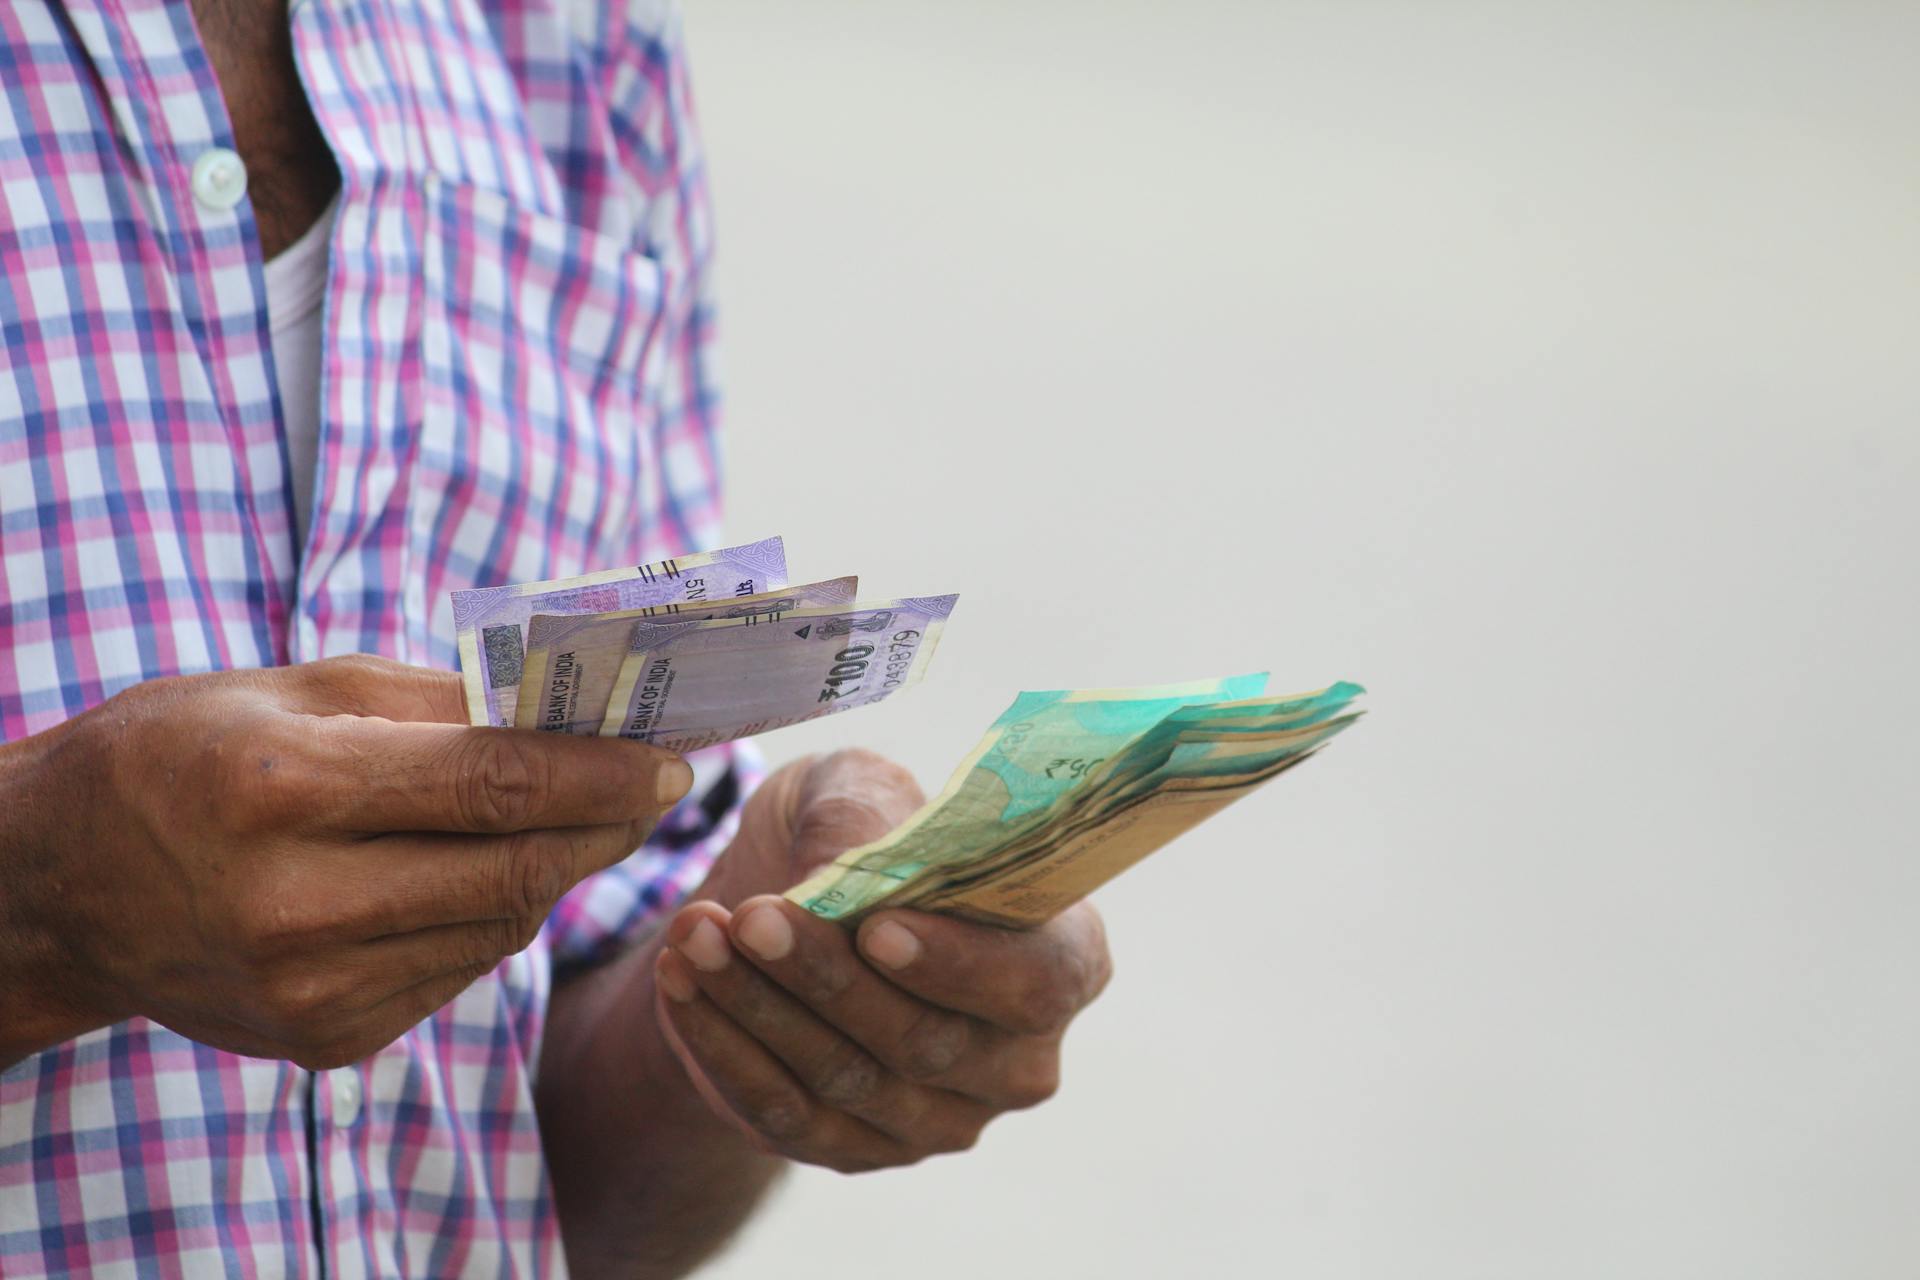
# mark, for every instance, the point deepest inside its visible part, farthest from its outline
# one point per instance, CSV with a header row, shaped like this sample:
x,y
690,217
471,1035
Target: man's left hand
x,y
871,1049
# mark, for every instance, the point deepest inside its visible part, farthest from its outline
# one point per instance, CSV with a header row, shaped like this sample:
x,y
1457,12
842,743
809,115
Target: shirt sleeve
x,y
641,56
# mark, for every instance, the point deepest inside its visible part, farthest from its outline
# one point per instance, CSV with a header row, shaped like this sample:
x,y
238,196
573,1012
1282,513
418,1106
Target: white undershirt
x,y
296,287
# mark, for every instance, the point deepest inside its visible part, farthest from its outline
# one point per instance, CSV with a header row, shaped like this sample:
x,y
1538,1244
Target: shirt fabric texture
x,y
515,384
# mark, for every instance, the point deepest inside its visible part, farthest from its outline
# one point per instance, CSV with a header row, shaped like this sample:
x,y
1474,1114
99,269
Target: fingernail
x,y
707,947
891,944
668,977
673,781
765,932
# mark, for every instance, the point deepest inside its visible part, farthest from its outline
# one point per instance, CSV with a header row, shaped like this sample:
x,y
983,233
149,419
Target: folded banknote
x,y
1070,788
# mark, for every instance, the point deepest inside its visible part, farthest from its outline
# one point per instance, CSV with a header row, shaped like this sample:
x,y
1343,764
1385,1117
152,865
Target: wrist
x,y
672,1097
41,1003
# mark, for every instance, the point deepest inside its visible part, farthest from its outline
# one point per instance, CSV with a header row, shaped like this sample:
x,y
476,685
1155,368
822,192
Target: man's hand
x,y
860,1051
296,863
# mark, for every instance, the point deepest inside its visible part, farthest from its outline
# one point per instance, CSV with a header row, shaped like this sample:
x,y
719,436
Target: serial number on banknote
x,y
852,665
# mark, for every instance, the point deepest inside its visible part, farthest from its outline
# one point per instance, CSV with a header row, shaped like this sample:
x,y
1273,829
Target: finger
x,y
834,1069
815,962
404,883
756,1091
333,1033
389,965
391,1019
361,684
377,776
847,799
1028,981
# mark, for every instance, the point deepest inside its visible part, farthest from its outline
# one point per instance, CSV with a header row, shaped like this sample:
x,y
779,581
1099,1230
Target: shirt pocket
x,y
538,350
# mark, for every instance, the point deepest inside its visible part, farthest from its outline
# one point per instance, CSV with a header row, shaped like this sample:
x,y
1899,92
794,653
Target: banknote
x,y
688,685
1068,790
573,660
1042,747
1036,883
490,622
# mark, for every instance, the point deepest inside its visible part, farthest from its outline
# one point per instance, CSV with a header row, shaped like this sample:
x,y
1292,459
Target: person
x,y
308,318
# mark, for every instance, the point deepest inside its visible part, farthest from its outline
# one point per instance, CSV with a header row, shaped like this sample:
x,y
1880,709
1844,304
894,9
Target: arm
x,y
649,1181
650,1174
37,1009
674,1081
296,863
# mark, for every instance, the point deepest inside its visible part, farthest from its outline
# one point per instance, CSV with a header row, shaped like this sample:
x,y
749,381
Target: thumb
x,y
847,799
362,685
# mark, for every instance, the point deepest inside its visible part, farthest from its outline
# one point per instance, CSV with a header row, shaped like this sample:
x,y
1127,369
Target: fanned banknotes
x,y
573,661
490,623
1070,788
689,685
689,652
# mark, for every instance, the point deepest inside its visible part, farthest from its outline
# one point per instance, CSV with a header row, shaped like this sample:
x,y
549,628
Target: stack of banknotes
x,y
688,652
1068,789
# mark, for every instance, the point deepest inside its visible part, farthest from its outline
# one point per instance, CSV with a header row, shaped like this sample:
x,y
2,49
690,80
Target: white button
x,y
346,1096
219,179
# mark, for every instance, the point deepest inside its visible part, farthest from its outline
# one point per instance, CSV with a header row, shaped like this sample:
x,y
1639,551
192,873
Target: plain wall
x,y
1549,368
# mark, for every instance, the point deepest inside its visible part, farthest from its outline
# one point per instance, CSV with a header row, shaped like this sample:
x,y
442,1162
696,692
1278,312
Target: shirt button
x,y
346,1096
219,179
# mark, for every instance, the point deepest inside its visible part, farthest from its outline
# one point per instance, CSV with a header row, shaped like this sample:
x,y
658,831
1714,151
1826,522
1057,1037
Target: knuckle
x,y
847,1078
821,975
495,940
1059,987
840,820
498,782
1102,974
956,1137
932,1043
347,665
1033,1080
782,1115
531,881
1046,1007
335,678
429,1000
270,922
329,1056
524,931
299,1001
1093,955
875,769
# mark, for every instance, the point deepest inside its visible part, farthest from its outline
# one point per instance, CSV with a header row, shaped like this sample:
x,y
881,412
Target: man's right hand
x,y
298,862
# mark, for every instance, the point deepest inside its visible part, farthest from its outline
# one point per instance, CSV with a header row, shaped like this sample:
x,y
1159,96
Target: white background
x,y
1549,368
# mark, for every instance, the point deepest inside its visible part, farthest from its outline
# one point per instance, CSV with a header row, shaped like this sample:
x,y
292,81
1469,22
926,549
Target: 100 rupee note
x,y
688,685
573,661
490,622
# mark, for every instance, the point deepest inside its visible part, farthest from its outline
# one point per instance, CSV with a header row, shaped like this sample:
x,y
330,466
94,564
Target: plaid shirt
x,y
515,385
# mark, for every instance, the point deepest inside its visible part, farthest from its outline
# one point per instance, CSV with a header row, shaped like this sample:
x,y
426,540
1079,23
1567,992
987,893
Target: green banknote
x,y
1070,788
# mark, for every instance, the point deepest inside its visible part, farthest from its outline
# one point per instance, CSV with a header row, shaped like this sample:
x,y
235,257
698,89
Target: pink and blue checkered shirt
x,y
515,385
